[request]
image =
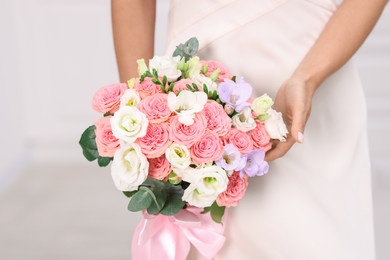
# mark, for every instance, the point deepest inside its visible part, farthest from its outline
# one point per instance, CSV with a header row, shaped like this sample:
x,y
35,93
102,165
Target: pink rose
x,y
146,88
260,137
159,168
208,149
188,135
214,65
235,191
155,108
239,139
217,119
106,142
156,140
182,85
108,98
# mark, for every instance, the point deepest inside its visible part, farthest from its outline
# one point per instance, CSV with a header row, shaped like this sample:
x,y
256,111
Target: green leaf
x,y
217,212
174,202
205,89
234,78
155,74
195,86
206,210
141,200
165,79
156,81
104,161
159,200
88,144
171,86
215,95
163,88
189,87
129,194
188,49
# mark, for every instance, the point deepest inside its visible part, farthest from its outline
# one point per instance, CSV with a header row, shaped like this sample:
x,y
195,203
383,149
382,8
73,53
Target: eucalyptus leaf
x,y
217,212
88,143
188,49
129,194
104,161
174,202
160,198
141,200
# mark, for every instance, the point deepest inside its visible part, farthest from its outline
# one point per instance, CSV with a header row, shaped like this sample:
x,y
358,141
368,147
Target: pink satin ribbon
x,y
170,237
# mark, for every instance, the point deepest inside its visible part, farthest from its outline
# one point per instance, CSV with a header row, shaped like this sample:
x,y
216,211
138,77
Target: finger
x,y
298,126
279,150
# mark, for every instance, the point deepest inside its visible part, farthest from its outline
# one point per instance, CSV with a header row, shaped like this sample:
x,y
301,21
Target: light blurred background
x,y
54,204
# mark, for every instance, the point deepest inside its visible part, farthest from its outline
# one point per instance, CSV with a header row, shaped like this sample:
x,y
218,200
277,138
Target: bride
x,y
316,202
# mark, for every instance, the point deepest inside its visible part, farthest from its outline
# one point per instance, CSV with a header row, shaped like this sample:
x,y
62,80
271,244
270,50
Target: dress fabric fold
x,y
316,202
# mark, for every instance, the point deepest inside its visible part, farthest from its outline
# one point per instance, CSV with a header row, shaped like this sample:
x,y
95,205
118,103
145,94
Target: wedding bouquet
x,y
184,134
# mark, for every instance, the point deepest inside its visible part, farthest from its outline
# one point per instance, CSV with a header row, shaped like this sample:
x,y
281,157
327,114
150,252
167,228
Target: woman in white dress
x,y
316,201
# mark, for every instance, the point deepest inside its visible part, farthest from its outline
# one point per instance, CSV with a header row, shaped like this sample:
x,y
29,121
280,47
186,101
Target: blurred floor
x,y
75,212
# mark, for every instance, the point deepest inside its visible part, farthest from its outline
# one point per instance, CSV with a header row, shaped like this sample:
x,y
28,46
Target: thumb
x,y
298,127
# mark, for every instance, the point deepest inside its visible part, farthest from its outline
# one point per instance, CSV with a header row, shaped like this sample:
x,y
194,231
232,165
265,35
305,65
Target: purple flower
x,y
235,94
231,159
255,164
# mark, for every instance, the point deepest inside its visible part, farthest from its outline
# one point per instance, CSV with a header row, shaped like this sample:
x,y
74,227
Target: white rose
x,y
186,104
202,79
261,105
178,155
129,168
166,66
244,121
275,126
128,123
205,185
130,98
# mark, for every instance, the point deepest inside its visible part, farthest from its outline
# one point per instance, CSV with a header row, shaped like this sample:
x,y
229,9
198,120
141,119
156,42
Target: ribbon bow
x,y
170,237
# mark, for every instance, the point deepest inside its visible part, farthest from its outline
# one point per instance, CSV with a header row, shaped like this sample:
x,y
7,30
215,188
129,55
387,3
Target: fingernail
x,y
300,137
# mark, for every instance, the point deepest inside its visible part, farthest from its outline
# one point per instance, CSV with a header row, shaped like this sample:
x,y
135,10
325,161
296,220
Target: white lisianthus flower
x,y
275,126
178,155
260,105
128,123
129,168
202,79
130,98
205,185
186,104
244,121
166,66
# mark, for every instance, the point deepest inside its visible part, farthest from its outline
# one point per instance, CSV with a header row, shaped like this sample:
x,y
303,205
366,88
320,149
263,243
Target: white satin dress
x,y
315,203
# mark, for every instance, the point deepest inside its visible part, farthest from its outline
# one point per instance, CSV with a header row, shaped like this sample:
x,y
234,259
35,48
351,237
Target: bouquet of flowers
x,y
184,134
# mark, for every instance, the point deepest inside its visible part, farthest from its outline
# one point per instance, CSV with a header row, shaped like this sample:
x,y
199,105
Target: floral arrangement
x,y
184,133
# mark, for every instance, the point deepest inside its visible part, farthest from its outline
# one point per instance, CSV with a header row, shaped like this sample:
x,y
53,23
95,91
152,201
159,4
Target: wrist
x,y
310,79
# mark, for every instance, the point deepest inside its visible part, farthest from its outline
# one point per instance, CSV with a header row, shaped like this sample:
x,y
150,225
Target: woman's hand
x,y
294,101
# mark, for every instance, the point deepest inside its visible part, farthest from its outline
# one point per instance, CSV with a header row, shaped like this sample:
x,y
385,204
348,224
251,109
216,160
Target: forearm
x,y
133,23
341,38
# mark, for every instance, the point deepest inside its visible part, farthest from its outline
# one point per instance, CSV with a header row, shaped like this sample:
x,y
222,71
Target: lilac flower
x,y
231,159
255,164
235,94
